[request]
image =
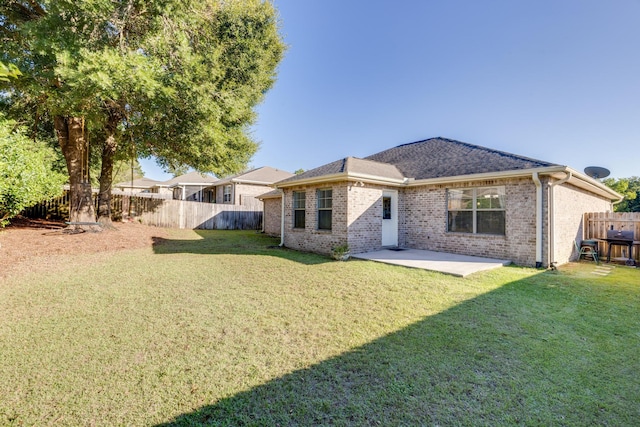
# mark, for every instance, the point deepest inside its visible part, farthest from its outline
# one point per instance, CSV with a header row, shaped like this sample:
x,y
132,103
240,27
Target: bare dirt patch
x,y
27,244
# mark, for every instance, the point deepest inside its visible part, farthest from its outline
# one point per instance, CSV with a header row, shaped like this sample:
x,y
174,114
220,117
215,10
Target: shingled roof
x,y
430,158
442,157
264,175
350,166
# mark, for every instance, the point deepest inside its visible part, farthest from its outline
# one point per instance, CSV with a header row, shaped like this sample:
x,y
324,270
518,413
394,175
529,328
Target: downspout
x,y
536,181
282,220
552,214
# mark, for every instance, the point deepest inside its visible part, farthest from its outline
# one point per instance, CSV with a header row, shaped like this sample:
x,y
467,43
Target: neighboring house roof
x,y
264,175
441,157
138,183
191,178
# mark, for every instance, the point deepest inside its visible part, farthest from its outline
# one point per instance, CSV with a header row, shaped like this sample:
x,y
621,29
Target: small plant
x,y
340,252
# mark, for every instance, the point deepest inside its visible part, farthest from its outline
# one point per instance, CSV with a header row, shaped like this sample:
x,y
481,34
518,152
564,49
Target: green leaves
x,y
182,76
25,174
7,71
630,189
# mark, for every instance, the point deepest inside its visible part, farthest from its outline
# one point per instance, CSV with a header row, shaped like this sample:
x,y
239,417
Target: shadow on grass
x,y
234,242
535,352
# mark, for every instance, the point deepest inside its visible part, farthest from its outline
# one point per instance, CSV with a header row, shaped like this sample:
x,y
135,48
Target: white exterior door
x,y
389,218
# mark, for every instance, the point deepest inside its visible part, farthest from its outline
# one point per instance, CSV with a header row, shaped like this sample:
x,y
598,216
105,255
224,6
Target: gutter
x,y
281,221
552,214
539,217
371,179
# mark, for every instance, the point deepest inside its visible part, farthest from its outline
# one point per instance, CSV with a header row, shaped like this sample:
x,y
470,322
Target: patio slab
x,y
443,262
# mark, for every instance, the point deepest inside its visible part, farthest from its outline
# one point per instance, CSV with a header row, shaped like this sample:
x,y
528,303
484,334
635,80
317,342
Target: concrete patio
x,y
456,265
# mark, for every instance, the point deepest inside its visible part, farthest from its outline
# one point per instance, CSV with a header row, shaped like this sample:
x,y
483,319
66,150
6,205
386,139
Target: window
x,y
299,199
226,194
476,210
386,207
325,205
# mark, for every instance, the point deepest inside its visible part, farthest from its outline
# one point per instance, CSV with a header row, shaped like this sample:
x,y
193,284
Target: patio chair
x,y
586,250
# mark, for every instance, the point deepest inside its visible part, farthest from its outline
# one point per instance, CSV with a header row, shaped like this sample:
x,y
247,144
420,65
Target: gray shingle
x,y
351,165
430,158
442,157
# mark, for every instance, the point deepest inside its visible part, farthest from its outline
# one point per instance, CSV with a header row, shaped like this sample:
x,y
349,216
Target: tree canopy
x,y
173,79
630,189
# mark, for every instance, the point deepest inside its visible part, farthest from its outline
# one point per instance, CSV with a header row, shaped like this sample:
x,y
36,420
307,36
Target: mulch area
x,y
28,244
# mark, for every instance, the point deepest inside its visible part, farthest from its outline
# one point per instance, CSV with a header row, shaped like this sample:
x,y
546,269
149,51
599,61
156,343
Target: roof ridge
x,y
475,146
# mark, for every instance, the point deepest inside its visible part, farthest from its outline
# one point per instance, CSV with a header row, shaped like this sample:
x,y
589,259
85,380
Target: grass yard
x,y
217,328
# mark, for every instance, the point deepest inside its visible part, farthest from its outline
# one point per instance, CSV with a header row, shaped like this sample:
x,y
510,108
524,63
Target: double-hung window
x,y
226,194
325,207
476,210
299,201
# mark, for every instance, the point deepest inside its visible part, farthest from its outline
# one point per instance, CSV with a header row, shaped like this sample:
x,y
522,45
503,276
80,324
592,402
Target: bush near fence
x,y
153,209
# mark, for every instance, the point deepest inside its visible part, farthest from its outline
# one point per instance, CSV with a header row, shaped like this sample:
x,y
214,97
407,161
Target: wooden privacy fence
x,y
152,210
596,225
190,215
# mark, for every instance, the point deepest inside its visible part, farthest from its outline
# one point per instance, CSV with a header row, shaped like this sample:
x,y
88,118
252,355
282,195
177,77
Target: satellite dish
x,y
596,172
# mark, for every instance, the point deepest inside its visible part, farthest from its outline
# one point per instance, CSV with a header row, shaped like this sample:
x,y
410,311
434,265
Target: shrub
x,y
26,177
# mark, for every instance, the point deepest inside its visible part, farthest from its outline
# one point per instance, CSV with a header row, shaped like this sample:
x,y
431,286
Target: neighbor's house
x,y
243,188
191,186
440,195
137,186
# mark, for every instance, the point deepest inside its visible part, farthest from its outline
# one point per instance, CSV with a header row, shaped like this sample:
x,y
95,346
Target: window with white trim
x,y
226,194
325,207
478,210
299,212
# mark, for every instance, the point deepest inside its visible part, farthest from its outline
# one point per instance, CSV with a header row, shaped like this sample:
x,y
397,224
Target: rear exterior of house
x,y
515,208
244,188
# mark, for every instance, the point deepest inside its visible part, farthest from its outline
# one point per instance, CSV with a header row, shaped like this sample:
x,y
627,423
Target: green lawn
x,y
219,328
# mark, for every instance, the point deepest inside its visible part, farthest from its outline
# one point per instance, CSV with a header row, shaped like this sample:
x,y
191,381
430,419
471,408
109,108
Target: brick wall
x,y
272,216
424,223
570,204
310,239
422,213
244,194
364,218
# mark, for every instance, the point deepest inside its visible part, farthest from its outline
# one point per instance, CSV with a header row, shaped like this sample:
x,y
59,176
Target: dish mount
x,y
596,172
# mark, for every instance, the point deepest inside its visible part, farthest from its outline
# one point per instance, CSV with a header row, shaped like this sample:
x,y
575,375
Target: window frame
x,y
474,198
321,204
226,196
299,209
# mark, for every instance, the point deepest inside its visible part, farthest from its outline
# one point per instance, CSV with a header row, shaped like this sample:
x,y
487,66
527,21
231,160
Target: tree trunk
x,y
71,137
106,172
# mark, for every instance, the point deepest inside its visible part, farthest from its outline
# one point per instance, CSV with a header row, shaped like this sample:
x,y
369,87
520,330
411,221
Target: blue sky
x,y
553,80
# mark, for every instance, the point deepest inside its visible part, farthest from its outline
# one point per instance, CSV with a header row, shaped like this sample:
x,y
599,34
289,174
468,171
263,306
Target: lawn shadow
x,y
236,242
494,360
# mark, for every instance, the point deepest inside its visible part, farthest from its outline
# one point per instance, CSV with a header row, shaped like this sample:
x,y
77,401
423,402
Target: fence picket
x,y
596,225
162,212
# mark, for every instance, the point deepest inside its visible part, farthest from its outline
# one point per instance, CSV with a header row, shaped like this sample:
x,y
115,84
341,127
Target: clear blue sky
x,y
553,80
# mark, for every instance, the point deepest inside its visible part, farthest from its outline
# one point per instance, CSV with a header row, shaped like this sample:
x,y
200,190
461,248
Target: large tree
x,y
630,189
173,79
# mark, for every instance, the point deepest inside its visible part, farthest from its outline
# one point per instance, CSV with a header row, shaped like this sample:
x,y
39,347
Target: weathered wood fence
x,y
190,215
160,212
596,225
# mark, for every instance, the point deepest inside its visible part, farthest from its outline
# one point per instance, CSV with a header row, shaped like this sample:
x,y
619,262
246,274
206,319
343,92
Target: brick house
x,y
442,195
243,188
